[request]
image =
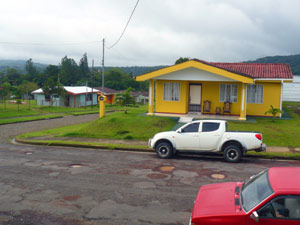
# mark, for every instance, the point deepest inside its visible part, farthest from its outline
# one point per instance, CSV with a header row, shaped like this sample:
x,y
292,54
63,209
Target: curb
x,y
32,120
24,141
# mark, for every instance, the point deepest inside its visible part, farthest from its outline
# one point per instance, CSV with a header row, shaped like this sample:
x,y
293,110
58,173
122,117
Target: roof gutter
x,y
277,79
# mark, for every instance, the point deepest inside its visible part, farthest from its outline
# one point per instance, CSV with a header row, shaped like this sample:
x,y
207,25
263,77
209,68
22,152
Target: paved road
x,y
9,131
54,185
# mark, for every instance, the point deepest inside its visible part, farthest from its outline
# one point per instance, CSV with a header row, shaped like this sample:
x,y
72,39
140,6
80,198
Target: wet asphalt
x,y
58,185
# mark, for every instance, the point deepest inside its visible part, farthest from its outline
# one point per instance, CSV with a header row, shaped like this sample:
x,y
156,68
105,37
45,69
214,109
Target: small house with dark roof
x,y
109,93
234,89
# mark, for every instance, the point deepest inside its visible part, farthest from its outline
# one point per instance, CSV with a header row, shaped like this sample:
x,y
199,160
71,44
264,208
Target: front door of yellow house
x,y
195,98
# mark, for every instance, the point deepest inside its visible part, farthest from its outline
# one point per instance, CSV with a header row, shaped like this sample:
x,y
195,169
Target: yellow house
x,y
201,87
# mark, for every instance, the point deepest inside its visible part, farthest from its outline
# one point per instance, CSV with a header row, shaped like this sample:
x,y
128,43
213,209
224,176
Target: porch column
x,y
243,103
151,97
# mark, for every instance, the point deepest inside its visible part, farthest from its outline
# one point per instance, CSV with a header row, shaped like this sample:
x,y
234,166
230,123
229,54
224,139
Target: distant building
x,y
109,93
141,96
291,91
76,97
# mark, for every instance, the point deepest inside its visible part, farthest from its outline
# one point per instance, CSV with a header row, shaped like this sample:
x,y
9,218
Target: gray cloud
x,y
159,33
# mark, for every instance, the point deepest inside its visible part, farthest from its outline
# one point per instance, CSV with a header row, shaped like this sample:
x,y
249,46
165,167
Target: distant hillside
x,y
132,70
137,70
19,65
293,60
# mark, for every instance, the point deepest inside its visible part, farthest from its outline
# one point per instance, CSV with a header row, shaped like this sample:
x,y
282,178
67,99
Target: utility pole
x,y
103,67
86,92
92,80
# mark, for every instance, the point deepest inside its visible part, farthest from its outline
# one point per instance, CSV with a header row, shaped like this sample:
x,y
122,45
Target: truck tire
x,y
164,150
232,153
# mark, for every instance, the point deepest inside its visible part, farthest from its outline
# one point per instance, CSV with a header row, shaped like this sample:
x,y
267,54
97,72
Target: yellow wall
x,y
210,92
180,106
272,92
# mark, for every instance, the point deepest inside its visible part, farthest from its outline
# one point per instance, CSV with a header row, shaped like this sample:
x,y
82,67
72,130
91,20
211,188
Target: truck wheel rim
x,y
163,150
232,154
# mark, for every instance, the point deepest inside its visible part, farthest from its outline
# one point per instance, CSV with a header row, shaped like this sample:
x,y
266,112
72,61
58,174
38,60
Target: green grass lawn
x,y
14,110
131,126
280,132
29,118
136,126
9,110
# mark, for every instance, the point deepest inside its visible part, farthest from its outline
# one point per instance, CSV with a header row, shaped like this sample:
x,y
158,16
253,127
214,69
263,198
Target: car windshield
x,y
255,190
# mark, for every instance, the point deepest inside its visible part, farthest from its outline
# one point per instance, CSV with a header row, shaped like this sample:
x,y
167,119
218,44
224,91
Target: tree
x,y
118,80
52,71
13,76
5,92
273,111
31,70
84,67
125,98
181,60
69,71
27,87
52,88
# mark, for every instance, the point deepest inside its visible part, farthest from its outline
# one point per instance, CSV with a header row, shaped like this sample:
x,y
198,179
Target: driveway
x,y
54,185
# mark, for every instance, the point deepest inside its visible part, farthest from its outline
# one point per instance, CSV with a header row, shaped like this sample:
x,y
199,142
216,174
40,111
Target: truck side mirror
x,y
255,216
179,130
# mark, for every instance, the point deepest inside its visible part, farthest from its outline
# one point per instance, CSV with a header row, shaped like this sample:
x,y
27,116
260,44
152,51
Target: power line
x,y
125,26
45,44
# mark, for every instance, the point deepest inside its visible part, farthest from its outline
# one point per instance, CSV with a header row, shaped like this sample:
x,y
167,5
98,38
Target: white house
x,y
75,97
291,91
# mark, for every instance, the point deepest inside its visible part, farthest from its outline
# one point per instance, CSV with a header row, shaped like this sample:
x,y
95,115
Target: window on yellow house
x,y
228,93
255,93
171,91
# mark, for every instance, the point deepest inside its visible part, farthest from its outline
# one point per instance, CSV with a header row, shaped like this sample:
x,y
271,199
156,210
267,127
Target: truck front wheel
x,y
232,154
164,150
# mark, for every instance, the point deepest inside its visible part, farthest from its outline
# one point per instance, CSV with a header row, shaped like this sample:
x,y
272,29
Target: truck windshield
x,y
255,190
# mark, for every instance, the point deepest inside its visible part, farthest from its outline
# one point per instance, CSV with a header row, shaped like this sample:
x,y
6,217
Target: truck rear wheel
x,y
164,150
232,154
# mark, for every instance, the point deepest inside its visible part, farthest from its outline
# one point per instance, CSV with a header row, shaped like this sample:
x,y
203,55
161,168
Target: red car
x,y
270,197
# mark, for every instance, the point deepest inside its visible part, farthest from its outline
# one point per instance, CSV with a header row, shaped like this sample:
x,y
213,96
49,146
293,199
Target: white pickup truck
x,y
207,136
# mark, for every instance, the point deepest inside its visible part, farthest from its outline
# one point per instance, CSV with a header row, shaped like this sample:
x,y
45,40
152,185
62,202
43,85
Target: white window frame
x,y
171,91
228,93
255,93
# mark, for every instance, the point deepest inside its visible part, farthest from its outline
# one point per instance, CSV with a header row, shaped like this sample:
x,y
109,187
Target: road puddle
x,y
218,176
76,165
167,168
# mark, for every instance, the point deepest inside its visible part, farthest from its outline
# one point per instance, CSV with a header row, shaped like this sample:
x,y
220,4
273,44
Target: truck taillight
x,y
258,136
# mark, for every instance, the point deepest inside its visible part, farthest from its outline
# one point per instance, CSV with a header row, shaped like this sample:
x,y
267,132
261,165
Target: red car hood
x,y
215,200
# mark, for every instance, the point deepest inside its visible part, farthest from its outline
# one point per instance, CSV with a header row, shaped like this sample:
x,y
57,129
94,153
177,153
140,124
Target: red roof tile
x,y
256,70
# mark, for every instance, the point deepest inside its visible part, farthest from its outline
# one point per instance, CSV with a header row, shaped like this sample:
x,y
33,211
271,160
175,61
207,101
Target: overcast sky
x,y
160,30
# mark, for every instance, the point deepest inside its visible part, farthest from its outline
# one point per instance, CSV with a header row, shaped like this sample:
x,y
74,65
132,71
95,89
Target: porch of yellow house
x,y
190,116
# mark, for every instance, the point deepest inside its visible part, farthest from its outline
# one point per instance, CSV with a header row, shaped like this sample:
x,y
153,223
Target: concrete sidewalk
x,y
283,149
